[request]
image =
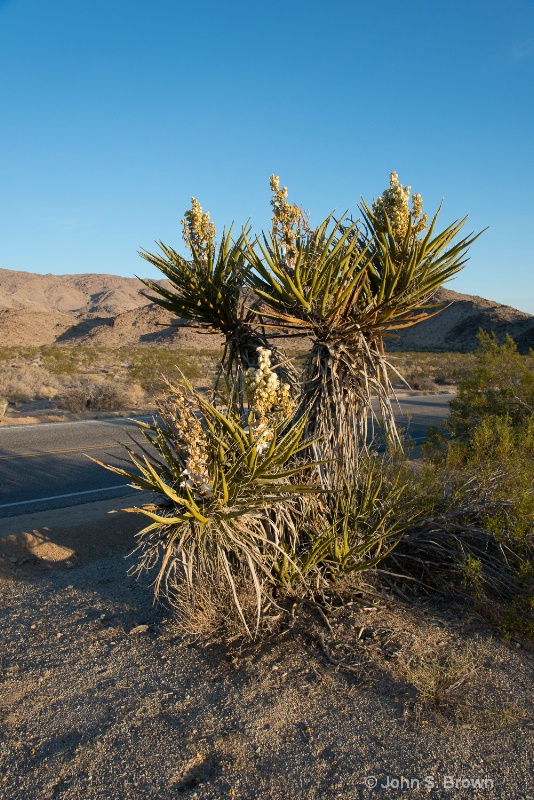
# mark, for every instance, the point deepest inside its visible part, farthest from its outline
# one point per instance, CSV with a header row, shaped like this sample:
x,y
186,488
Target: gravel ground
x,y
101,696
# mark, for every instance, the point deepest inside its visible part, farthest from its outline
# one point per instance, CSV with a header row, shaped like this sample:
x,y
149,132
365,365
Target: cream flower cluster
x,y
394,203
199,231
194,446
264,390
268,397
286,219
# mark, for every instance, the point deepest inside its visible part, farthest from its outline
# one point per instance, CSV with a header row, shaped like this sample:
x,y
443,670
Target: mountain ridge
x,y
112,311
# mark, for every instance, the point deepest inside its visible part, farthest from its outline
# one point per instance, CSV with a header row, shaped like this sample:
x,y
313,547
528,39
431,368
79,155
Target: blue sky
x,y
113,113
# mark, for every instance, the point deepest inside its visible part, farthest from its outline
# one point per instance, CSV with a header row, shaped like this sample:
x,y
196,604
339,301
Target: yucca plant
x,y
221,480
209,292
349,289
350,531
276,490
239,511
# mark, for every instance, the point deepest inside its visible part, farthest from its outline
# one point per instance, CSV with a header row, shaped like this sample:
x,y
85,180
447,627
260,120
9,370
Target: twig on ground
x,y
354,668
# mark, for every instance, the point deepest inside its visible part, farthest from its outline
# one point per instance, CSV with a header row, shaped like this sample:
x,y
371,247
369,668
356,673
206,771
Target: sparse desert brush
x,y
152,367
99,395
476,489
446,681
61,360
10,353
441,369
492,422
24,382
476,524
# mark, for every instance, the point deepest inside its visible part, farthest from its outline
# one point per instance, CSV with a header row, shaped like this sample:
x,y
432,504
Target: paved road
x,y
418,412
44,466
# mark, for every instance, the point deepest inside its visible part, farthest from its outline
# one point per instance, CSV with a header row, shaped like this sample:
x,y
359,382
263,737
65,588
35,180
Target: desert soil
x,y
102,695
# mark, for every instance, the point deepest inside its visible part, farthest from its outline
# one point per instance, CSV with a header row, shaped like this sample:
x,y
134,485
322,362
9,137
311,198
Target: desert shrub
x,y
13,353
153,367
89,395
439,678
61,360
500,384
420,382
475,531
498,460
24,382
484,474
518,618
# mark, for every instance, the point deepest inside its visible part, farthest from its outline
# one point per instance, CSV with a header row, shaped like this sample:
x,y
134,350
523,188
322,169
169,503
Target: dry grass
x,y
437,660
98,394
451,684
440,677
207,611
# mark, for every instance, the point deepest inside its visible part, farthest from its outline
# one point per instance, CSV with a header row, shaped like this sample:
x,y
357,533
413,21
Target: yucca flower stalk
x,y
349,289
209,292
221,480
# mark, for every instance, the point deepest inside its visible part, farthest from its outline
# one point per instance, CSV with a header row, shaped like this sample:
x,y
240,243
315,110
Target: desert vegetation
x,y
477,480
79,379
51,373
272,494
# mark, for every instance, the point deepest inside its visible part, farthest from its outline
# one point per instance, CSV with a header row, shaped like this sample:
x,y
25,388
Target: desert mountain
x,y
110,311
102,295
456,326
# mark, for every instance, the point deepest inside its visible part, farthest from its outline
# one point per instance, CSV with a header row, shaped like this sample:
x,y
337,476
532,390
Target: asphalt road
x,y
45,466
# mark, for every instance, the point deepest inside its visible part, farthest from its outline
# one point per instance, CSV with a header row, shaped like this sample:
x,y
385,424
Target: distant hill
x,y
456,326
100,310
111,311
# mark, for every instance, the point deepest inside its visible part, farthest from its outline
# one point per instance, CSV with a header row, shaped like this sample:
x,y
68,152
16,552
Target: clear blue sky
x,y
113,113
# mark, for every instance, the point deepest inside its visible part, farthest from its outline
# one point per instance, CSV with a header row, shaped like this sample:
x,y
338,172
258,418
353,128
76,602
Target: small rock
x,y
138,629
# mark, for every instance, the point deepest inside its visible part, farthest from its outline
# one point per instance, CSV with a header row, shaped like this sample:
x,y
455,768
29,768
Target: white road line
x,y
75,422
61,496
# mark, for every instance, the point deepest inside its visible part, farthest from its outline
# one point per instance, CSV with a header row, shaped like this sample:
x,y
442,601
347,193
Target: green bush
x,y
476,488
500,385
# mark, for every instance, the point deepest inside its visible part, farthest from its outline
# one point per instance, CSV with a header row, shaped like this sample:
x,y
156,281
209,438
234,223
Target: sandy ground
x,y
102,696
